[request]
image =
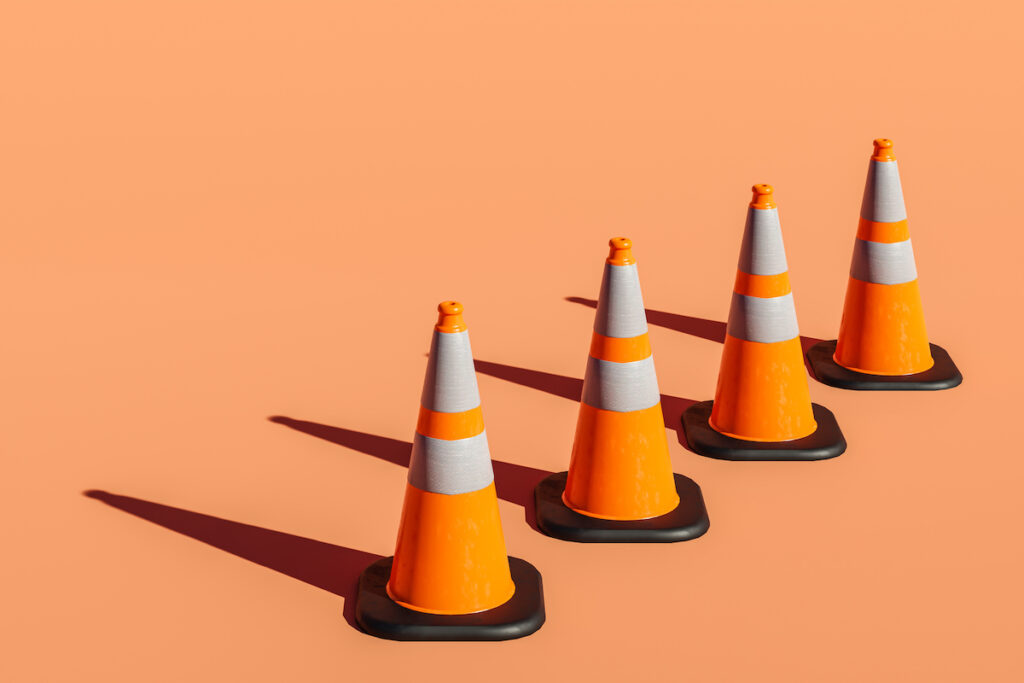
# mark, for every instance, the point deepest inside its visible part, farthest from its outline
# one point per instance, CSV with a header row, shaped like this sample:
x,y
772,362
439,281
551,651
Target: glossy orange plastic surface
x,y
882,331
450,557
449,317
762,392
450,425
764,286
621,251
620,350
763,197
883,150
620,466
883,232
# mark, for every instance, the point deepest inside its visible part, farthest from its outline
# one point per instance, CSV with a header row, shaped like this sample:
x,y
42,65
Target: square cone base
x,y
943,375
687,521
826,442
379,615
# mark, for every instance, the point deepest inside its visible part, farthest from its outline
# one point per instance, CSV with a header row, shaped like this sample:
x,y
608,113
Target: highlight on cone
x,y
620,485
762,408
883,342
450,577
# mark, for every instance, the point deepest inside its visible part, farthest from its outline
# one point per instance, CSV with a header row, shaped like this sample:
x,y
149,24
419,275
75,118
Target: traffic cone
x,y
620,486
882,341
762,408
450,578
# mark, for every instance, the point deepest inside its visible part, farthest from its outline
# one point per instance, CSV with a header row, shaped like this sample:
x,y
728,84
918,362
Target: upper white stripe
x,y
762,252
762,319
622,387
883,263
620,307
450,467
883,194
450,383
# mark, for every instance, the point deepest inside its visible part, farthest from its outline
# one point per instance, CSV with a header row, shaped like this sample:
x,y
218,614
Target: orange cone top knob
x,y
883,150
449,317
763,197
622,251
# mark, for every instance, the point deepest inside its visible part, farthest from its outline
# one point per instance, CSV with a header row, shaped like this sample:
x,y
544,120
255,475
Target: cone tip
x,y
449,318
883,150
763,197
621,251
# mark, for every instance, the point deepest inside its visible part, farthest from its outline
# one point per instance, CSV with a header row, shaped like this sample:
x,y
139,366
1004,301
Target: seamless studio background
x,y
226,227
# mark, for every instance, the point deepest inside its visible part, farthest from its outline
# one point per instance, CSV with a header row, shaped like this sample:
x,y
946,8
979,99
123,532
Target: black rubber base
x,y
380,616
826,442
943,375
689,520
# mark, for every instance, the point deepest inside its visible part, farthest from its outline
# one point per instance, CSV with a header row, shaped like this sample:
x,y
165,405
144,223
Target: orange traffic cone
x,y
450,578
882,341
762,408
620,485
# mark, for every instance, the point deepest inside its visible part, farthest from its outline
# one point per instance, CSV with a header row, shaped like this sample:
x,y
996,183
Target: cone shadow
x,y
672,407
513,483
330,567
712,330
558,385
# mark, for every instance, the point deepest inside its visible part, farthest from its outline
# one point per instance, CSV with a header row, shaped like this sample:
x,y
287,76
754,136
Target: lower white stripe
x,y
883,263
765,320
450,467
621,387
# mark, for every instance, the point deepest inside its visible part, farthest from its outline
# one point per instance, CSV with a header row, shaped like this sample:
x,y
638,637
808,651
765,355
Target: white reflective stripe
x,y
883,263
620,307
762,252
622,387
450,383
450,467
883,194
766,320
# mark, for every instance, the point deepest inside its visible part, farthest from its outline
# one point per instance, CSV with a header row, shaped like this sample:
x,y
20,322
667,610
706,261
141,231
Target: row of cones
x,y
450,577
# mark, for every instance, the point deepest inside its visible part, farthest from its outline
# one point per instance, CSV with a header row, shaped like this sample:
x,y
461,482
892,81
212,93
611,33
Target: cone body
x,y
620,466
762,392
882,331
450,556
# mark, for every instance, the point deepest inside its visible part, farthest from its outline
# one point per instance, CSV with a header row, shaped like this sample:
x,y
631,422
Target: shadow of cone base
x,y
942,375
826,442
380,616
687,521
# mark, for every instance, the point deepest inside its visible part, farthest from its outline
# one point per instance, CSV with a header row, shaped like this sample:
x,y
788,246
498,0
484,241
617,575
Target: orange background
x,y
215,213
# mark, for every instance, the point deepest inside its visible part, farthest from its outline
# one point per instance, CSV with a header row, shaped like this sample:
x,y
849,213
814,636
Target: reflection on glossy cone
x,y
620,466
620,469
762,408
762,392
883,343
450,561
450,556
882,331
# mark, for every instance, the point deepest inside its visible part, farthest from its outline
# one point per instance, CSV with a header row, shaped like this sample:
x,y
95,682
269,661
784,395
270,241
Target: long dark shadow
x,y
712,330
333,568
672,407
559,385
514,483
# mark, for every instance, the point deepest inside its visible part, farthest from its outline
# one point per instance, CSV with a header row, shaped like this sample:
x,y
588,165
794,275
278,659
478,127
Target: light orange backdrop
x,y
218,212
